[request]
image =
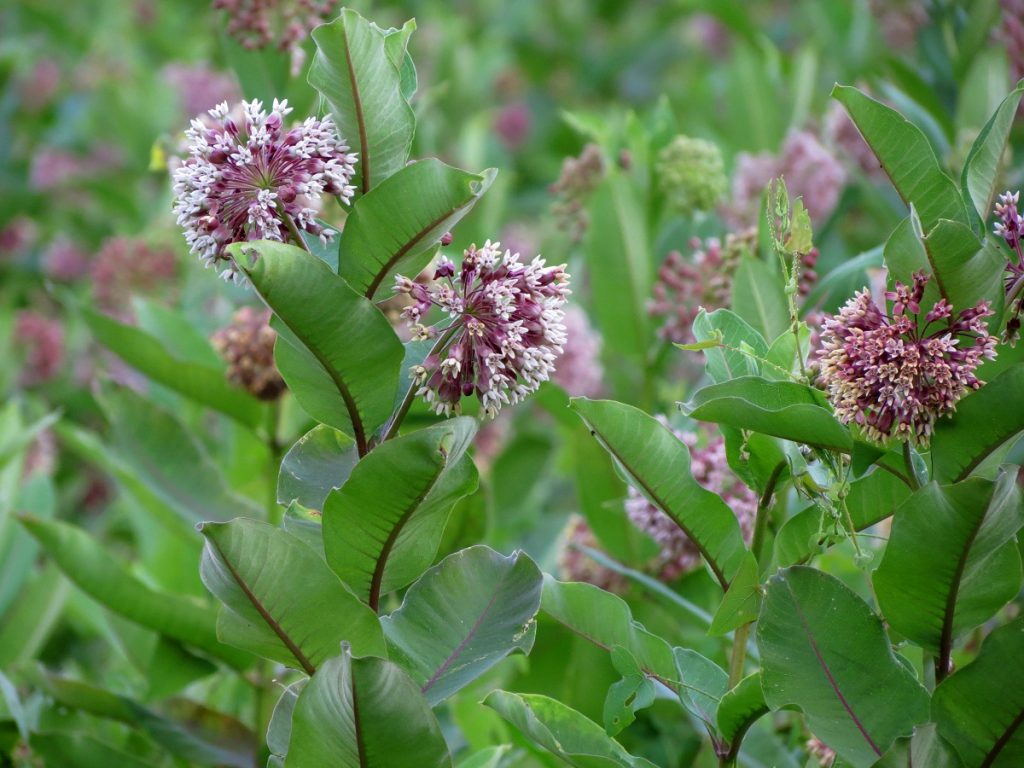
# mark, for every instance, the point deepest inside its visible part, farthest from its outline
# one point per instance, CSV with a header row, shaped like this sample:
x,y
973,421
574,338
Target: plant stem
x,y
293,230
410,394
908,460
763,505
739,654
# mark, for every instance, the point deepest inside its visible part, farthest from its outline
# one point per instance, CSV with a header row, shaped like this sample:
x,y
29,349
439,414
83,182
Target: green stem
x,y
739,654
763,506
908,460
410,394
293,230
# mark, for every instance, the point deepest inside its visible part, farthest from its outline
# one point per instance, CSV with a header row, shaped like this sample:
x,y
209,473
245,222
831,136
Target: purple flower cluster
x,y
257,181
810,170
200,88
247,344
64,261
128,265
576,183
504,332
709,467
41,340
892,372
1010,227
684,286
579,371
283,24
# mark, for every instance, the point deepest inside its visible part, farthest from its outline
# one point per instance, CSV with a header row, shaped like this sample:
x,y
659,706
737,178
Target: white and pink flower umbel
x,y
1010,227
257,181
505,325
892,372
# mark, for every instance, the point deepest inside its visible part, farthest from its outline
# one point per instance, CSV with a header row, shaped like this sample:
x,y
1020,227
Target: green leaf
x,y
18,550
783,409
740,347
562,731
740,708
982,422
89,565
870,500
396,43
32,617
967,270
345,340
980,708
824,651
363,87
628,695
658,464
205,385
319,462
907,158
393,228
742,602
759,297
279,731
981,169
462,617
379,534
606,621
702,683
169,460
364,713
951,561
281,600
79,750
619,267
490,757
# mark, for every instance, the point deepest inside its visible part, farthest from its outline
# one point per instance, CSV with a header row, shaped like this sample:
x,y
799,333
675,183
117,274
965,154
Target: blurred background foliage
x,y
94,100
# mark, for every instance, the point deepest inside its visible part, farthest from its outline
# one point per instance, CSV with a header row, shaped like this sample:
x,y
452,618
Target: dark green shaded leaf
x,y
318,463
740,708
702,683
742,602
740,347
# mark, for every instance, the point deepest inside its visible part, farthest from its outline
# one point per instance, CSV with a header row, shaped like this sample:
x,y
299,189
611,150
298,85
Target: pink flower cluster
x,y
504,323
811,172
579,371
710,468
894,373
41,340
247,344
129,265
1010,227
281,23
576,183
257,181
200,88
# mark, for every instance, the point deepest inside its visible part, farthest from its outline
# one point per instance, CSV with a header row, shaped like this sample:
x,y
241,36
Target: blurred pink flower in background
x,y
38,88
578,371
128,265
842,133
63,260
200,88
512,124
41,341
18,236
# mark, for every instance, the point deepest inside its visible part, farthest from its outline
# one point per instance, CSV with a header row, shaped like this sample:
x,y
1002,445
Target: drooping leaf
x,y
204,384
462,617
363,87
823,650
393,228
742,602
606,621
778,408
280,599
279,731
379,534
658,465
563,731
981,423
702,683
739,346
627,696
980,708
89,565
907,158
759,297
951,561
348,346
981,169
318,463
364,713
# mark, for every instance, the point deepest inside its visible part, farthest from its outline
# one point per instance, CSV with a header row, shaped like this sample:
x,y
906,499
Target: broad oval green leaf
x,y
742,603
783,409
981,424
280,599
702,683
739,348
825,651
739,709
759,297
363,87
364,713
319,462
907,158
324,320
393,228
967,269
562,731
462,617
89,565
605,620
951,561
379,534
203,384
980,708
658,465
